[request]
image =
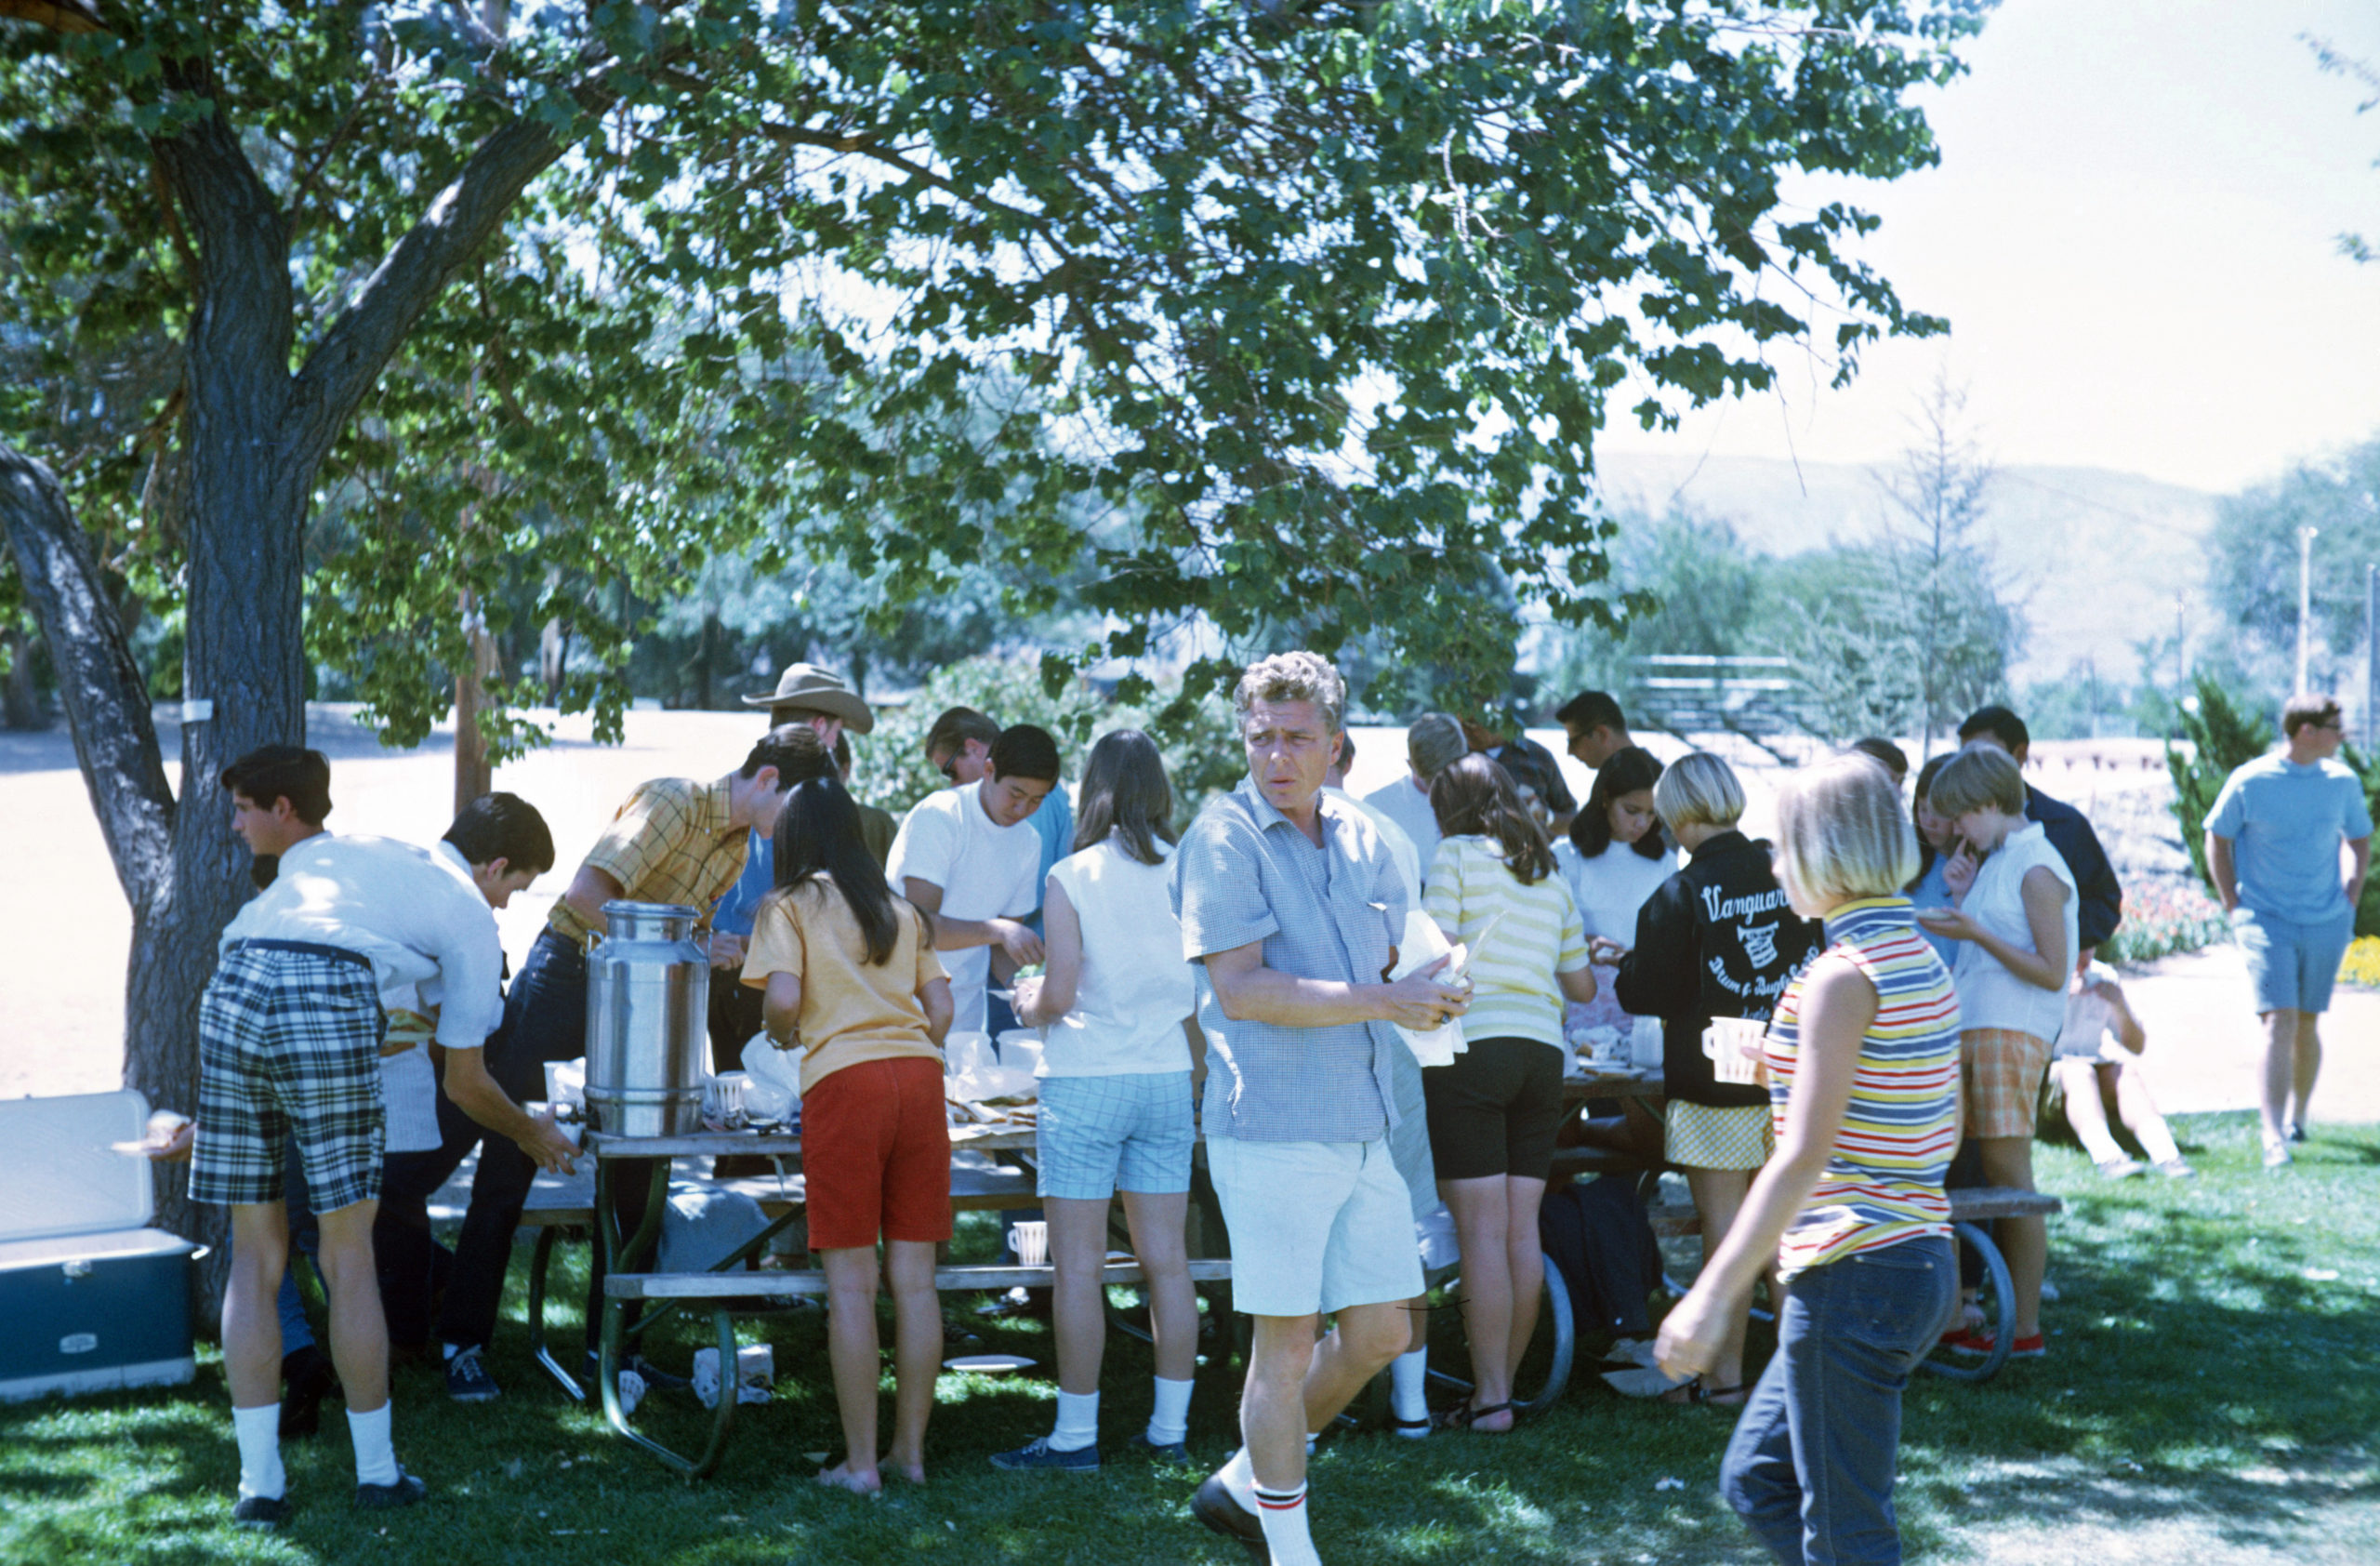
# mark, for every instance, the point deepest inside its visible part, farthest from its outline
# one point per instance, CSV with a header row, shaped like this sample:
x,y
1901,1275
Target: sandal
x,y
1696,1395
1413,1429
1463,1415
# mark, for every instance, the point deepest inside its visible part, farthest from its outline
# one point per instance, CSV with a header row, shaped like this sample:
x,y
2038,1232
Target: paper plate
x,y
987,1364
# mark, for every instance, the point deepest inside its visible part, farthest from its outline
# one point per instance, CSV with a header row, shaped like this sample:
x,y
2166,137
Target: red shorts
x,y
876,1154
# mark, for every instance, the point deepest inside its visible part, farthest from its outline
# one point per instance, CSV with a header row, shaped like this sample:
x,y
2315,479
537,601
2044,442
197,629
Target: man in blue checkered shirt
x,y
1291,908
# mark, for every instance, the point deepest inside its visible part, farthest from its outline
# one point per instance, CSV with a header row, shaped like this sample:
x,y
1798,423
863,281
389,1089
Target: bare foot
x,y
843,1477
914,1471
1494,1423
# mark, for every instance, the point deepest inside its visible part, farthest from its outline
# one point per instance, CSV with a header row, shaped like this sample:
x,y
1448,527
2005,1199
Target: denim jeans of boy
x,y
1810,1466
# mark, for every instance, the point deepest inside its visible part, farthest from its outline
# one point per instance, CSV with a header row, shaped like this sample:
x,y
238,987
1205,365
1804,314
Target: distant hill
x,y
2096,557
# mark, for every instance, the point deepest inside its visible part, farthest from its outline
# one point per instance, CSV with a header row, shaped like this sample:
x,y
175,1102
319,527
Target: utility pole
x,y
2304,598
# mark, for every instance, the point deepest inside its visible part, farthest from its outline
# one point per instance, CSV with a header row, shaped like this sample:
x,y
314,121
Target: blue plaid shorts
x,y
1099,1133
288,1043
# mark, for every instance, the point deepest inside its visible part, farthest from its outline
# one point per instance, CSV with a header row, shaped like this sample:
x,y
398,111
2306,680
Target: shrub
x,y
2362,964
2162,918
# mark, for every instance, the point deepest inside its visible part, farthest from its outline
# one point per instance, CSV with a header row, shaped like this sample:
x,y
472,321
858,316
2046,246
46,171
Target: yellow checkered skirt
x,y
1715,1136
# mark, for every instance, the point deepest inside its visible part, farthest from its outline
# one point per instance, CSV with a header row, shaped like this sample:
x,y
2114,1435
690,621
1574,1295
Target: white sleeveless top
x,y
1990,996
1136,986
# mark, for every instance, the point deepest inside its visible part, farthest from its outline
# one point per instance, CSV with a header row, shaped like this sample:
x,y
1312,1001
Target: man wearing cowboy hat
x,y
808,695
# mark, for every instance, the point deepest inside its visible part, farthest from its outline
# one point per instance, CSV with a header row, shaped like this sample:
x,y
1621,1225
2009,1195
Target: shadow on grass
x,y
2210,1384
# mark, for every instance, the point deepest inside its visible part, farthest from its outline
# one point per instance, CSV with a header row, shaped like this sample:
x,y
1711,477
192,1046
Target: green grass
x,y
2213,1395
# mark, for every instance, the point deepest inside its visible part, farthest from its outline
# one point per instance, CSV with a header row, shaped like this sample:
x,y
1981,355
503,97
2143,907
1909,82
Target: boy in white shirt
x,y
967,856
291,1032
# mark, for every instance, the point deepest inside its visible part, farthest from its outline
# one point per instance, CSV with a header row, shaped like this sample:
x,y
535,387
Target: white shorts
x,y
1316,1227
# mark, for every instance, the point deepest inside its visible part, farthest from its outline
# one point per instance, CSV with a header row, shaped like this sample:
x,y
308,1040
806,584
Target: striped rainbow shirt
x,y
1883,1183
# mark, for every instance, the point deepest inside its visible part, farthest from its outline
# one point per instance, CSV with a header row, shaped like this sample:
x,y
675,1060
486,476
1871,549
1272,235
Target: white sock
x,y
1170,1421
2100,1143
2158,1140
258,1432
376,1459
1238,1476
1077,1422
1408,1380
1285,1535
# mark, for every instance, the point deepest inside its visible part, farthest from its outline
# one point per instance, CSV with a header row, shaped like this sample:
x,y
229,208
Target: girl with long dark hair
x,y
1493,1113
1615,858
1115,1012
850,980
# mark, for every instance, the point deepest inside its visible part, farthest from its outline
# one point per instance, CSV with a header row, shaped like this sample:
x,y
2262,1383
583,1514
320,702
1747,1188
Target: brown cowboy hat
x,y
806,685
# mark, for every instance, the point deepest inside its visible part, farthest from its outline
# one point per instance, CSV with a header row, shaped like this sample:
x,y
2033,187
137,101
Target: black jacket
x,y
1718,940
2099,907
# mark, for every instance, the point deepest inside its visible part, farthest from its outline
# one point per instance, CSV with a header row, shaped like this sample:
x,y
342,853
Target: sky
x,y
2133,232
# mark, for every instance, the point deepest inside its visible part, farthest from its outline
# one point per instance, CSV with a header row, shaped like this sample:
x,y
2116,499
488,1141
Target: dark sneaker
x,y
1169,1454
2296,1131
261,1512
406,1492
1215,1506
1039,1454
466,1377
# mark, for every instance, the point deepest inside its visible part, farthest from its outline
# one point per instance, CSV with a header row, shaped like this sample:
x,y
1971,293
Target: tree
x,y
2251,575
1330,298
1937,495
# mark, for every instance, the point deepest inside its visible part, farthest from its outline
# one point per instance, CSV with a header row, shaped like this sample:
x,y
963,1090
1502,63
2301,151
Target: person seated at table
x,y
849,978
1717,940
1615,857
1115,1012
1864,1066
1492,1114
2097,1061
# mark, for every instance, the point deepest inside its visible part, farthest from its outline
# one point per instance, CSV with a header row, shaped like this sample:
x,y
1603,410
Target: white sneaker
x,y
2122,1168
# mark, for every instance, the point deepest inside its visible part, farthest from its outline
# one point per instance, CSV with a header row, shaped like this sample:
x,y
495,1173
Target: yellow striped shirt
x,y
1538,934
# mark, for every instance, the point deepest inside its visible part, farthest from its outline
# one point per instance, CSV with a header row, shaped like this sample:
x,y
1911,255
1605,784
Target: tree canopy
x,y
1329,299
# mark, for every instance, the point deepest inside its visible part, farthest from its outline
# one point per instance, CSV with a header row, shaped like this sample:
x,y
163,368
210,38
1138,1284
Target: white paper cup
x,y
1733,1045
1030,1240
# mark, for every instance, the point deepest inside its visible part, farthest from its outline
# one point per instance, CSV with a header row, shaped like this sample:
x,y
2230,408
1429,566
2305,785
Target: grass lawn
x,y
2212,1394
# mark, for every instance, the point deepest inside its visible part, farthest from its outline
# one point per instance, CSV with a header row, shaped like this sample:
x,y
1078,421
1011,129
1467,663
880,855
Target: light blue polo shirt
x,y
2285,821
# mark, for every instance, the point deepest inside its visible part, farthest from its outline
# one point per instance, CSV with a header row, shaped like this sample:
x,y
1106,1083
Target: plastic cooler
x,y
92,1297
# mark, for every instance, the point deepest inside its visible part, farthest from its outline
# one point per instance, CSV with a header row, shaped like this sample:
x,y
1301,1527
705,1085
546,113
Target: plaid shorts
x,y
2001,1070
288,1042
1097,1133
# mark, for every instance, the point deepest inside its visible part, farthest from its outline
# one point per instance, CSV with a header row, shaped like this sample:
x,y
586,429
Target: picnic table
x,y
725,1290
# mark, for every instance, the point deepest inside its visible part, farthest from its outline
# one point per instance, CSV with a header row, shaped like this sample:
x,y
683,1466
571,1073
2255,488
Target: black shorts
x,y
1494,1112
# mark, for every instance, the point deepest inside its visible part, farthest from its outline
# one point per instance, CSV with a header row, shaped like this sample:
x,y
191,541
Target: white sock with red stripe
x,y
1284,1517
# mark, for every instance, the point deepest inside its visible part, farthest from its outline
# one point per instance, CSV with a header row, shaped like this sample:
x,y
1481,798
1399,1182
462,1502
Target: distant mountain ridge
x,y
2096,557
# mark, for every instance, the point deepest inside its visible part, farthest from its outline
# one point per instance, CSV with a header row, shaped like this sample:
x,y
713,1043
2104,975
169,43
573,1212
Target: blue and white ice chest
x,y
92,1297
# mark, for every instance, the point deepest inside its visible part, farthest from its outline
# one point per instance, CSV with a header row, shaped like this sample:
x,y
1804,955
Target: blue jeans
x,y
1810,1466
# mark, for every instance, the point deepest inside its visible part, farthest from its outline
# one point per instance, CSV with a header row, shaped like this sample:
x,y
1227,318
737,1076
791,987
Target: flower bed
x,y
2362,964
2162,918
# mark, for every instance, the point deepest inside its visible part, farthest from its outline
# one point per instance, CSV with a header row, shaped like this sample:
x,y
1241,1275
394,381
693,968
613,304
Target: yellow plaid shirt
x,y
670,842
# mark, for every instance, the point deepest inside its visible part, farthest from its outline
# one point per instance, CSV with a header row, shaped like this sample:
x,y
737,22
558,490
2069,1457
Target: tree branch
x,y
58,16
107,702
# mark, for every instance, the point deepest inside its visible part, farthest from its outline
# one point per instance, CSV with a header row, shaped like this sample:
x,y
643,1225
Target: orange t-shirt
x,y
852,1010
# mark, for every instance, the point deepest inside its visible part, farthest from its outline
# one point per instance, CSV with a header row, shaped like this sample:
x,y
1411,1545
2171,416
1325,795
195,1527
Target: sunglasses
x,y
948,767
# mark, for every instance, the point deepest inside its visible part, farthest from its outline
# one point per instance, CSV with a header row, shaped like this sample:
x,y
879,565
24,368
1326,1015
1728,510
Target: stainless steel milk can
x,y
648,990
